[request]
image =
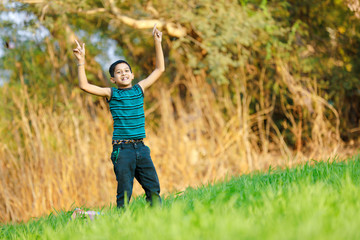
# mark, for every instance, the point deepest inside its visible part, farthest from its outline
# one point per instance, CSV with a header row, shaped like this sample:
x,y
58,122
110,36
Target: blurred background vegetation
x,y
318,41
247,83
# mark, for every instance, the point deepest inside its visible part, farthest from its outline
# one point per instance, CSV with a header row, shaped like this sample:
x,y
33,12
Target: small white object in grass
x,y
79,213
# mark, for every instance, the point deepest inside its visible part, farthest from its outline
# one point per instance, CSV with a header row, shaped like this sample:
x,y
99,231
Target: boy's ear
x,y
112,80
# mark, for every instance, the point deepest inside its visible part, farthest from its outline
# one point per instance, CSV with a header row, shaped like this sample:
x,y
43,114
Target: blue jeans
x,y
133,160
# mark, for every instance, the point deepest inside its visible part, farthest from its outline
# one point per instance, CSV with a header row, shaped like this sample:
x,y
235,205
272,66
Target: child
x,y
130,156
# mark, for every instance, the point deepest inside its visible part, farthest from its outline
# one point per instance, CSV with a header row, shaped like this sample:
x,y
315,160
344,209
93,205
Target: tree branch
x,y
172,29
93,11
31,1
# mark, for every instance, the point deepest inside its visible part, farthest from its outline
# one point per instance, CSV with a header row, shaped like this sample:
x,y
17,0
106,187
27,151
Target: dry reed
x,y
59,154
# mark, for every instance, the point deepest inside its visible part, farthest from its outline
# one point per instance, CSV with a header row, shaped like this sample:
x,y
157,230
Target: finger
x,y
77,43
154,29
83,48
159,34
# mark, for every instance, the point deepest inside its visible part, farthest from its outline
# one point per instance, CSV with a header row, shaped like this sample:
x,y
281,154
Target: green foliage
x,y
230,42
317,200
227,35
331,53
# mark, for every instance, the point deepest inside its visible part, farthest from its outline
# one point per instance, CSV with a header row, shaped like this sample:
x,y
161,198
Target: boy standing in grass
x,y
130,156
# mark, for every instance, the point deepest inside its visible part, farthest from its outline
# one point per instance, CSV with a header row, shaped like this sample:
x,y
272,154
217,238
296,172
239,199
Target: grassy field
x,y
318,200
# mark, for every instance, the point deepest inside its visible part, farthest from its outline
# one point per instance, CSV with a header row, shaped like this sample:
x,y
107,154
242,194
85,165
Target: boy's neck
x,y
124,87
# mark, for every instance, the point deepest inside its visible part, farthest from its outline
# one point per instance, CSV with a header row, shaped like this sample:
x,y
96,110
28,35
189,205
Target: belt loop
x,y
122,145
135,146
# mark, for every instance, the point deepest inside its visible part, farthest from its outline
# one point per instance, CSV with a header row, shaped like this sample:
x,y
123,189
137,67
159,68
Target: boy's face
x,y
122,76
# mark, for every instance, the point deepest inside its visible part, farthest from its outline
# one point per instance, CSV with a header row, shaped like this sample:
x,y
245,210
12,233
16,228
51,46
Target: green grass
x,y
312,201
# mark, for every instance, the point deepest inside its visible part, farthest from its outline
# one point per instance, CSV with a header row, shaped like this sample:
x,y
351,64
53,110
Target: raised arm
x,y
160,63
79,53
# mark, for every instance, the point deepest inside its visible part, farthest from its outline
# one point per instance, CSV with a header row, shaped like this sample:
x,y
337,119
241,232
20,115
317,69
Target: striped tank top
x,y
127,109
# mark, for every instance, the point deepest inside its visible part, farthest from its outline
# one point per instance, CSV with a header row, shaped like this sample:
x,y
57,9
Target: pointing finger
x,y
77,43
154,29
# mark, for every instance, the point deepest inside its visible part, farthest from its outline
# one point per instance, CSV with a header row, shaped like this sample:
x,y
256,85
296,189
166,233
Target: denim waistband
x,y
114,142
132,145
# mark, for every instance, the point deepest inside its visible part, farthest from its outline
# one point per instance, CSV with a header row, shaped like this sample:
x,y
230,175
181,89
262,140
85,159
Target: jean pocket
x,y
115,155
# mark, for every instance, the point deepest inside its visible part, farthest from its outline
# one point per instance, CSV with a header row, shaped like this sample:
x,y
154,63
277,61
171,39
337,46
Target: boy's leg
x,y
124,168
146,175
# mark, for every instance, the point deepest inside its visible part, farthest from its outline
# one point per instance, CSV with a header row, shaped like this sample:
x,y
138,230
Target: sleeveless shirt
x,y
127,109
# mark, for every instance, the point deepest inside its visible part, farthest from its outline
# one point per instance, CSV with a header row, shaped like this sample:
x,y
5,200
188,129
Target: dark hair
x,y
112,67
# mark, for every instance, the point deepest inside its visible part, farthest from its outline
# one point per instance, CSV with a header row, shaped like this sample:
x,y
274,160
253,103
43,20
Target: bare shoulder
x,y
107,91
142,85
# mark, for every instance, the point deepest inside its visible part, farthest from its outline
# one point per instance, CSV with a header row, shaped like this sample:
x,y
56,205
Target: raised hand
x,y
157,34
79,52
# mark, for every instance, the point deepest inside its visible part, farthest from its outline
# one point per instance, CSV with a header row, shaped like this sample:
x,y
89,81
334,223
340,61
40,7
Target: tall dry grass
x,y
58,154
